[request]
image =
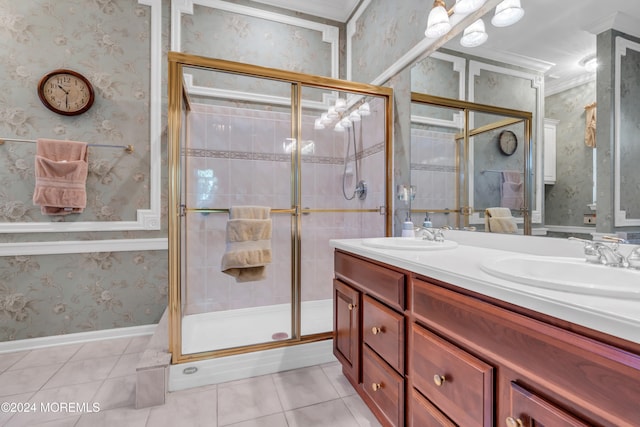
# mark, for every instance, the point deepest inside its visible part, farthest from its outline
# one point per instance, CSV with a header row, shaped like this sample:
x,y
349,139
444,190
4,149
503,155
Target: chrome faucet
x,y
609,255
603,253
431,234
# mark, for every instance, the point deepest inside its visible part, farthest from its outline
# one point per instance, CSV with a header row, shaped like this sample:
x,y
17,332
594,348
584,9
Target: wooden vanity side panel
x,y
387,285
346,329
598,381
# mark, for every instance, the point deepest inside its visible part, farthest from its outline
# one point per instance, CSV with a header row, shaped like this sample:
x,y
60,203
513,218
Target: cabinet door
x,y
346,329
529,410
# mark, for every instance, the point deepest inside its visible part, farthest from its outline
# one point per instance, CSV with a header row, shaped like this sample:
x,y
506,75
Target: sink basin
x,y
407,244
567,274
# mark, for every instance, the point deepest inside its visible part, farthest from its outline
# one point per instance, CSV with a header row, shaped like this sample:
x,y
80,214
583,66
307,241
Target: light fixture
x,y
341,105
507,13
364,109
438,22
474,35
354,116
338,127
590,63
318,124
325,119
464,7
332,113
345,123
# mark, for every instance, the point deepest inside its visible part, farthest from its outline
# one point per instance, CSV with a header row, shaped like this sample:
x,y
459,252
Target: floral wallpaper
x,y
385,31
108,41
61,294
220,34
566,201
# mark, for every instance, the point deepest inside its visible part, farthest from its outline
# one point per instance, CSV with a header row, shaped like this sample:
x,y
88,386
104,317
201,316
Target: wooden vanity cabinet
x,y
546,375
451,357
369,333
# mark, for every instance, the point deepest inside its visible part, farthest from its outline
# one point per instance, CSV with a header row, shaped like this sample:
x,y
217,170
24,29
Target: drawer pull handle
x,y
375,330
438,380
376,386
514,422
351,307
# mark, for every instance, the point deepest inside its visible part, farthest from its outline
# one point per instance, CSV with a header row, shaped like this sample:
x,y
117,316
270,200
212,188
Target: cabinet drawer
x,y
383,330
455,381
388,285
529,409
423,414
384,386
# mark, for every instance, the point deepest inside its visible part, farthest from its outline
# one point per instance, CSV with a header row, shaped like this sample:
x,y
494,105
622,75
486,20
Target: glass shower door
x,y
342,188
237,153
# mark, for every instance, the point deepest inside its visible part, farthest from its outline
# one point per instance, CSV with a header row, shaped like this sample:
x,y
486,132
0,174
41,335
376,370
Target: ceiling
x,y
552,37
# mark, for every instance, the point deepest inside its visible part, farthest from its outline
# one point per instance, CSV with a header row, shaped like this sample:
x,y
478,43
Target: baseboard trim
x,y
76,338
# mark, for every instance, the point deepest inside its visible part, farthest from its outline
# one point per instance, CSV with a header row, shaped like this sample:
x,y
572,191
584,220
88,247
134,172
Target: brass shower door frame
x,y
178,101
462,167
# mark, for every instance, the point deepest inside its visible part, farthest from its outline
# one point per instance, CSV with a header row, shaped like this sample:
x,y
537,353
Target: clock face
x,y
66,92
508,142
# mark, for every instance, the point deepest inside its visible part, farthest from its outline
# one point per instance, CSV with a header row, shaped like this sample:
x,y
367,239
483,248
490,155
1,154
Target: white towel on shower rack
x,y
248,250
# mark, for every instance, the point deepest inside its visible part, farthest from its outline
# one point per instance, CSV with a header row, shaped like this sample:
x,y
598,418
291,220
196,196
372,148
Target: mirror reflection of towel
x,y
499,220
512,190
590,129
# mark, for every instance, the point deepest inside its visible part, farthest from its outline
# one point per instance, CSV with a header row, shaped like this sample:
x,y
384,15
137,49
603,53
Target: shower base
x,y
234,328
237,328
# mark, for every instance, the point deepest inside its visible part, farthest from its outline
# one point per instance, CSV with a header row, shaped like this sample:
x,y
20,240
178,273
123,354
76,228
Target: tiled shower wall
x,y
433,162
239,156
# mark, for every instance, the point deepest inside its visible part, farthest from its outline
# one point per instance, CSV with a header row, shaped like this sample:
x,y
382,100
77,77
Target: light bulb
x,y
474,35
341,105
507,13
364,109
338,127
464,7
318,124
346,123
354,116
438,22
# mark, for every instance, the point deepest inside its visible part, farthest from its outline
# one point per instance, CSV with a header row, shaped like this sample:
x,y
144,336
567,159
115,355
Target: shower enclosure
x,y
314,150
458,165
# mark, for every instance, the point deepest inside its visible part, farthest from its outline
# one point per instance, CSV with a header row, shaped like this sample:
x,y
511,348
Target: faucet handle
x,y
634,258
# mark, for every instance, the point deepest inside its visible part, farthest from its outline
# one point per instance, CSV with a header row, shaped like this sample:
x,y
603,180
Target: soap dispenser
x,y
407,228
427,221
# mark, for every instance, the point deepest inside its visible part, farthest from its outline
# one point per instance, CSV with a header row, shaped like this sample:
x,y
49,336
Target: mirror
x,y
549,59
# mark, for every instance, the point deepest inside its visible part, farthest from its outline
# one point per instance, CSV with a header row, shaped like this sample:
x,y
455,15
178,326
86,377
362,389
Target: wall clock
x,y
66,92
508,142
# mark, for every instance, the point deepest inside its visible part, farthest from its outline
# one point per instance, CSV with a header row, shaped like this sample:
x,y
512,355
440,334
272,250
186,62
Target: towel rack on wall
x,y
497,171
128,148
213,210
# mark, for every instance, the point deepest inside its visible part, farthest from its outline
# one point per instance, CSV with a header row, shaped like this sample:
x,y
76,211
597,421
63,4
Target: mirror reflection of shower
x,y
351,122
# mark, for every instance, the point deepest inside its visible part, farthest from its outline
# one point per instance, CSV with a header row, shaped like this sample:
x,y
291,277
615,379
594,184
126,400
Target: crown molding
x,y
336,10
509,58
563,85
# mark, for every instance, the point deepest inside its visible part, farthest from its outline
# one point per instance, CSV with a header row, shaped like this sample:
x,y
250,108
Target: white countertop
x,y
461,267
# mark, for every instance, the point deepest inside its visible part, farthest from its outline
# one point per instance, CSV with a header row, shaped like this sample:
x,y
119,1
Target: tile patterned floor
x,y
103,373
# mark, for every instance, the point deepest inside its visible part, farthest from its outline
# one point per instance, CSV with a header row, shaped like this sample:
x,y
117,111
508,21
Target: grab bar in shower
x,y
216,210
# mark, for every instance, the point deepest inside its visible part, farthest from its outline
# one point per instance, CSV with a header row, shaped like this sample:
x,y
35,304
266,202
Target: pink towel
x,y
61,175
512,190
